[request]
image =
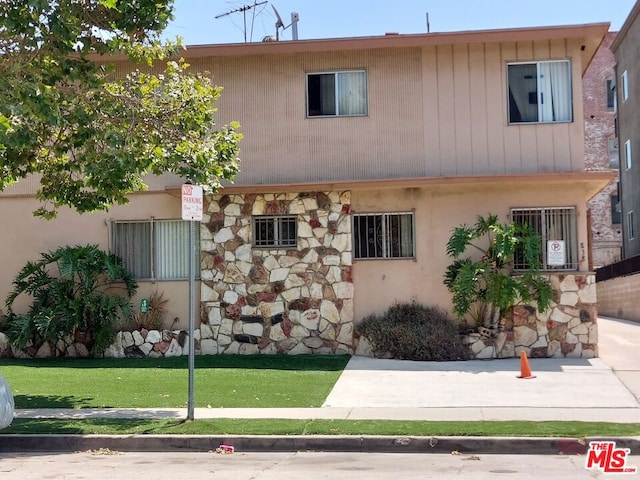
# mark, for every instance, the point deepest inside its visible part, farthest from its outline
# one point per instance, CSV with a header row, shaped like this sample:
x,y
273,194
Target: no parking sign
x,y
556,253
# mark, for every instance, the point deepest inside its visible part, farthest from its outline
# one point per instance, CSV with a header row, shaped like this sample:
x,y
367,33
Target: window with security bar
x,y
275,231
553,224
384,235
153,249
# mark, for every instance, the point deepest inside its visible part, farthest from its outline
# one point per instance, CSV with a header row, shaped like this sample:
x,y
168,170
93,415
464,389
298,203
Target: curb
x,y
326,443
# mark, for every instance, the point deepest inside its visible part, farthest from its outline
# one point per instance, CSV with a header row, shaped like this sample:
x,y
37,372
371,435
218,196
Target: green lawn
x,y
318,427
220,381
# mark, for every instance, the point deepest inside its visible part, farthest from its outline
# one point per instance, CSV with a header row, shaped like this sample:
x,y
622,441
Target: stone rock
x,y
233,349
364,347
313,342
127,339
269,310
230,297
588,294
248,349
287,344
299,332
329,311
310,319
153,336
276,334
174,349
569,298
278,274
300,349
206,331
569,284
524,336
215,314
81,350
559,316
223,235
44,351
146,348
346,334
486,353
343,290
253,329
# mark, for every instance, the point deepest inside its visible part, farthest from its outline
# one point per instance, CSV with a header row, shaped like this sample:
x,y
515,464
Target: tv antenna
x,y
280,24
244,10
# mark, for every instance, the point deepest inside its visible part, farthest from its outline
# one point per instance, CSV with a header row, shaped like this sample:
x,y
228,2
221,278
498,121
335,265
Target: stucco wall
x,y
24,237
438,210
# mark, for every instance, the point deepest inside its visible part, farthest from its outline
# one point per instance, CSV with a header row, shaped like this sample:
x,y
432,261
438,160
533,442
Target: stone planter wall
x,y
567,329
136,344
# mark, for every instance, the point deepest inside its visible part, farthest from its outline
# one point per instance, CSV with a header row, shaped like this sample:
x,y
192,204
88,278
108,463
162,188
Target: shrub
x,y
411,331
75,290
153,318
487,285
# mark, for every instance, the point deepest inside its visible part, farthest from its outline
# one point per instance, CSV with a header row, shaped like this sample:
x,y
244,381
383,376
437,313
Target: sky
x,y
195,20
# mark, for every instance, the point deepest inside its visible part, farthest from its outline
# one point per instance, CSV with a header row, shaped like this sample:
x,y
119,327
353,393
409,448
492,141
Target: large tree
x,y
92,135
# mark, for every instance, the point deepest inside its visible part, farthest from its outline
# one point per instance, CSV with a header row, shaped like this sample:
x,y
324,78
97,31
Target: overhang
x,y
591,181
590,36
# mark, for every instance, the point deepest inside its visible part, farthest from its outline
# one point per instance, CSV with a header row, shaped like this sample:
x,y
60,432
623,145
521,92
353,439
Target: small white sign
x,y
192,204
556,253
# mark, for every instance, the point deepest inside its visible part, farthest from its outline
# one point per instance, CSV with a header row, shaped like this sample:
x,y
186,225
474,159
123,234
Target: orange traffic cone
x,y
525,371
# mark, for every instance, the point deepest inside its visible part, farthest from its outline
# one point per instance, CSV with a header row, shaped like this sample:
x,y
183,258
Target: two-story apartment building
x,y
360,156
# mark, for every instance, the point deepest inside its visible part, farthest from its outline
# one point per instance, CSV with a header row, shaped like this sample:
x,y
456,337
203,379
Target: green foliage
x,y
412,331
73,289
486,282
92,135
153,318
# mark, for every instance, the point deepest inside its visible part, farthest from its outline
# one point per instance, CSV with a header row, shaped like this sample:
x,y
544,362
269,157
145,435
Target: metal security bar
x,y
551,223
274,231
384,235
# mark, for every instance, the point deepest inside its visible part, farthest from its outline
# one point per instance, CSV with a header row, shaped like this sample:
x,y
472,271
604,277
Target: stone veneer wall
x,y
567,329
277,300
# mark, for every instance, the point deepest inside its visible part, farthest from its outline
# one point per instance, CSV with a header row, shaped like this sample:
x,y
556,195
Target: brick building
x,y
601,153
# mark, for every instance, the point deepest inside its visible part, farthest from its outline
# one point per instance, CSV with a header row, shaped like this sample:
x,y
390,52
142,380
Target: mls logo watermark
x,y
608,458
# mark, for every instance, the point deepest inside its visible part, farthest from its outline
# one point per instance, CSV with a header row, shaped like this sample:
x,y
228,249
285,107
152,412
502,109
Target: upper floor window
x,y
614,158
337,93
540,92
611,93
551,224
627,154
275,231
383,235
616,211
625,85
153,249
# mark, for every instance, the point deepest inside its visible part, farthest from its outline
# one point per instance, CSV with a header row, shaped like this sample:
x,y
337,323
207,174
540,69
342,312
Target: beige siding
x,y
433,111
436,110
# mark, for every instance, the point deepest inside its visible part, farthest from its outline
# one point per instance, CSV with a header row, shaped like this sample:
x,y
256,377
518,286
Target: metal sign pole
x,y
192,204
192,305
192,302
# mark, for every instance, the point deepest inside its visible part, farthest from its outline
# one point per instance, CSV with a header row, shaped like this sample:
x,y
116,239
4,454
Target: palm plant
x,y
74,289
486,281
